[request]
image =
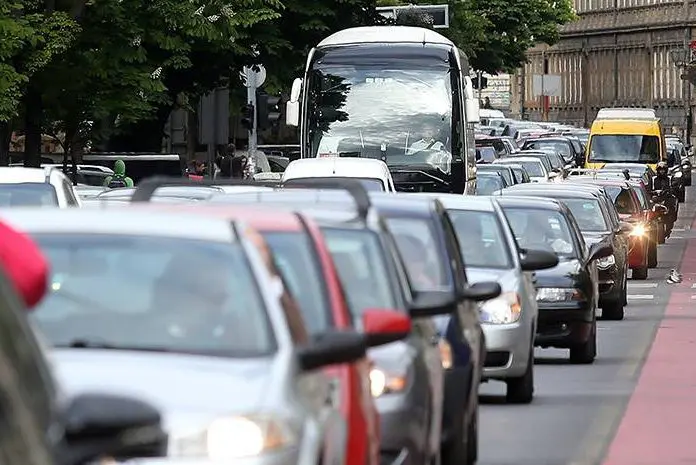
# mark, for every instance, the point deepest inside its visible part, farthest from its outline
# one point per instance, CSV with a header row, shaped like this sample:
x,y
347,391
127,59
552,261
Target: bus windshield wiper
x,y
419,172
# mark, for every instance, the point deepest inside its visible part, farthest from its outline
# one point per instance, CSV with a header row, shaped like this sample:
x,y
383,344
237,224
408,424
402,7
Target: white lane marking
x,y
642,285
693,286
693,297
678,229
640,296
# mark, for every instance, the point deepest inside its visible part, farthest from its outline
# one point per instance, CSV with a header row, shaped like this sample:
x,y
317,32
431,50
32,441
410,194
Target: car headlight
x,y
502,310
678,174
638,231
383,382
236,437
606,262
558,294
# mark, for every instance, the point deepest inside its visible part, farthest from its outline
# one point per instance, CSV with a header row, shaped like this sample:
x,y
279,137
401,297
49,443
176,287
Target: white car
x,y
536,169
36,187
373,174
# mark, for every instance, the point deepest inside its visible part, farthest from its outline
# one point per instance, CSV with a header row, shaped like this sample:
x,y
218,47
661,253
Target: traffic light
x,y
268,110
475,82
248,116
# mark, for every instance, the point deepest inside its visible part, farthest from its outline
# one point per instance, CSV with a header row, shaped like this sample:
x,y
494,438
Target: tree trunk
x,y
142,136
33,119
5,139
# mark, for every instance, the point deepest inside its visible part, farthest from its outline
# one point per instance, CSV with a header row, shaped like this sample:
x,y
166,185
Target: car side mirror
x,y
332,348
432,303
535,260
484,290
99,425
382,326
599,250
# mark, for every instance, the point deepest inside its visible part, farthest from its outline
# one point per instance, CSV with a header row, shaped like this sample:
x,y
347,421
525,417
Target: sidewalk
x,y
660,420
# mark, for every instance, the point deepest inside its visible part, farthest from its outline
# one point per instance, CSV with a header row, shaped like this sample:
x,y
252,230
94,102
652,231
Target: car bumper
x,y
507,350
564,324
403,430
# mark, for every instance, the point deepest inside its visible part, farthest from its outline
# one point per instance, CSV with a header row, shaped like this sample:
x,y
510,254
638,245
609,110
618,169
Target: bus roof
x,y
385,34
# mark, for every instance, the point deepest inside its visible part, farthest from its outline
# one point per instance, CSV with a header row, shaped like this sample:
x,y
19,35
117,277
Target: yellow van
x,y
626,135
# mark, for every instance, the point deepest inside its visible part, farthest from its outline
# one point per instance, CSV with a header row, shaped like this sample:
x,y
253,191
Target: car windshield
x,y
362,267
418,246
560,148
485,154
295,259
374,110
153,294
481,239
487,184
370,184
622,199
539,229
533,168
587,213
28,194
624,147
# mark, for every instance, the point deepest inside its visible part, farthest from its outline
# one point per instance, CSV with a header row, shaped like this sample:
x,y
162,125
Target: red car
x,y
629,208
303,258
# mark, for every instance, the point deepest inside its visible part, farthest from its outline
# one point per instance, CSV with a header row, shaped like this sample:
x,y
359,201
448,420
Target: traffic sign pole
x,y
253,78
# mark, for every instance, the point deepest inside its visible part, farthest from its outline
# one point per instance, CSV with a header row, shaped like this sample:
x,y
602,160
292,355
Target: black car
x,y
505,171
488,182
424,221
567,294
598,221
570,150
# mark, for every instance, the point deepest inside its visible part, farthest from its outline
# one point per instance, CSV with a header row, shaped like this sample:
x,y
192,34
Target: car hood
x,y
186,389
592,238
565,274
508,279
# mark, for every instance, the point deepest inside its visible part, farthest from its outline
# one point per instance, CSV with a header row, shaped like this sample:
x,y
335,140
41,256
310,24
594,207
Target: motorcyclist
x,y
662,183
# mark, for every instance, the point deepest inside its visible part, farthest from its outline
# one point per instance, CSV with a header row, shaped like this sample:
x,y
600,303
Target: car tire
x,y
687,181
520,390
613,311
652,252
640,274
681,196
584,354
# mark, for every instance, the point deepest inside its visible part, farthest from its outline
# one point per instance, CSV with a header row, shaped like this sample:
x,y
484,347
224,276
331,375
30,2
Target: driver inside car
x,y
431,140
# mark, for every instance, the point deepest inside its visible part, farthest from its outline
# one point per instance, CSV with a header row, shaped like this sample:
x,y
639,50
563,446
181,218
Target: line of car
x,y
315,321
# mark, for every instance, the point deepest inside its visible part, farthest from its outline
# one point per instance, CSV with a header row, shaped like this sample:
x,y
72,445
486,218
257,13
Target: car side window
x,y
452,244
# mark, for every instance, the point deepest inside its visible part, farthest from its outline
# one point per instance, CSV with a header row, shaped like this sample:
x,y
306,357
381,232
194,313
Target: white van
x,y
373,174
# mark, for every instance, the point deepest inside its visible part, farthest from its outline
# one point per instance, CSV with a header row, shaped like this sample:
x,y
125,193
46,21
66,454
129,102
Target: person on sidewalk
x,y
119,178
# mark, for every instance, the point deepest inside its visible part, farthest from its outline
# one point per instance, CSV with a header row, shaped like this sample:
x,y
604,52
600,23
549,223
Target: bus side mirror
x,y
292,107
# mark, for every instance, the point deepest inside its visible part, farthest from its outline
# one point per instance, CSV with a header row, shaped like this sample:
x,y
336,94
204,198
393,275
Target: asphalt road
x,y
577,408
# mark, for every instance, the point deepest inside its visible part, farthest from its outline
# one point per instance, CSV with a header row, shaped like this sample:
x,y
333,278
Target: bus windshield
x,y
400,113
624,148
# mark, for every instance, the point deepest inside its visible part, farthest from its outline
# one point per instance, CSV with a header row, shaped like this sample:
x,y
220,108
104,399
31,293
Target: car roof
x,y
121,221
518,159
458,201
327,166
556,189
530,202
261,218
20,174
554,138
383,35
493,167
404,204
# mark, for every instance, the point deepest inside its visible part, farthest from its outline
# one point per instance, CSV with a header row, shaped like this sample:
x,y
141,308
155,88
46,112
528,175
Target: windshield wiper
x,y
95,344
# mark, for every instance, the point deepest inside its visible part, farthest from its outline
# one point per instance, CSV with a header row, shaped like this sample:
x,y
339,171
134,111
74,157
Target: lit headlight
x,y
638,231
557,294
678,174
502,310
236,437
382,382
606,262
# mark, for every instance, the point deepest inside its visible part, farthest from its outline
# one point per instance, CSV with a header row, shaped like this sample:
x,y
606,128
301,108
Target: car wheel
x,y
652,252
661,233
520,390
613,311
687,181
584,354
640,273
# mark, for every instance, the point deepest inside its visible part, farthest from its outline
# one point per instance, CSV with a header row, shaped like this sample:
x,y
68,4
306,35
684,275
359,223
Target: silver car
x,y
192,317
509,321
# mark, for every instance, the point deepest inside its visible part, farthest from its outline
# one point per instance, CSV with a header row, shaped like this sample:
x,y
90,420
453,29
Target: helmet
x,y
661,168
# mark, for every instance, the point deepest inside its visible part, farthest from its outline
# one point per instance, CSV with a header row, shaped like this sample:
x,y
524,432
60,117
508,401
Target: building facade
x,y
616,54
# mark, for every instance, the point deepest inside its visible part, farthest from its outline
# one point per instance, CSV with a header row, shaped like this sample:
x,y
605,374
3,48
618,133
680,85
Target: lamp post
x,y
685,59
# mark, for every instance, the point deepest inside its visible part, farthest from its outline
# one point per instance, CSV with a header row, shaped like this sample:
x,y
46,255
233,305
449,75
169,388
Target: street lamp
x,y
685,60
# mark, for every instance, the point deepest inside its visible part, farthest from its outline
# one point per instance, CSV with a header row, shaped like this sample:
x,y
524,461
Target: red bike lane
x,y
659,423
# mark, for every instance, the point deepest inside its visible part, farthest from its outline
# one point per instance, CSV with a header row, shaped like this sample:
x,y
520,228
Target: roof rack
x,y
146,189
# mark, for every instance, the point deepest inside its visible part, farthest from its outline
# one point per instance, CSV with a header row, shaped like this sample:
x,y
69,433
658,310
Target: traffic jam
x,y
348,310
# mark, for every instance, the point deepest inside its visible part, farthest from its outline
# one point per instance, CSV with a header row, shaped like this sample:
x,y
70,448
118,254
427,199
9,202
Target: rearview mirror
x,y
332,348
382,326
485,290
292,107
98,425
432,303
534,260
599,250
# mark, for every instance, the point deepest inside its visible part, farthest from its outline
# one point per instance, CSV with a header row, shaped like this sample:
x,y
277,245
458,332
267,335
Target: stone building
x,y
616,54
